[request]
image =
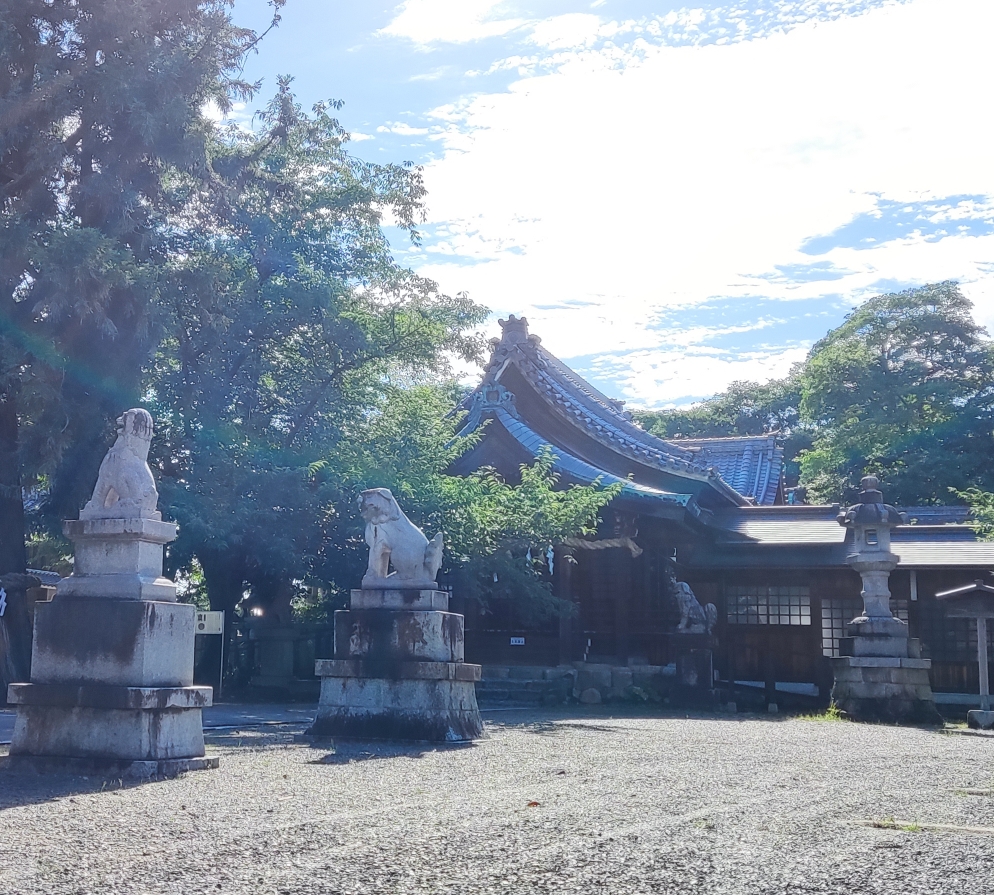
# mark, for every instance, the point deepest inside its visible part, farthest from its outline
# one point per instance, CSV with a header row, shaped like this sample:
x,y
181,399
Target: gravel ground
x,y
551,801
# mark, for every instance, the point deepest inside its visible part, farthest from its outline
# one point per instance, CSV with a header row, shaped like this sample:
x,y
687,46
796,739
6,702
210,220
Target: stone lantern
x,y
881,675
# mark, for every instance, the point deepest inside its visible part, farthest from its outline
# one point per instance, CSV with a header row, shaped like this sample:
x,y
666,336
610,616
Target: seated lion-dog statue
x,y
394,540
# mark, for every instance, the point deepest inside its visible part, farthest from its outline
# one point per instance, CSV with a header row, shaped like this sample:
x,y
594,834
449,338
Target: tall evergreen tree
x,y
99,99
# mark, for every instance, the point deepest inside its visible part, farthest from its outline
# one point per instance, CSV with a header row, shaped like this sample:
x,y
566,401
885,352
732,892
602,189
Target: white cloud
x,y
451,21
402,129
566,31
634,178
668,377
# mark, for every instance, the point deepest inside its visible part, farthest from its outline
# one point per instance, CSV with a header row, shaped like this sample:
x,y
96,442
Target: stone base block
x,y
101,696
867,626
108,734
392,582
891,689
978,719
436,711
119,559
424,671
111,768
125,586
128,643
400,599
399,635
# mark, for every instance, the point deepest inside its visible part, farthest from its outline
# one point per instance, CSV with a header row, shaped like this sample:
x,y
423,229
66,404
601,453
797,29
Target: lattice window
x,y
951,639
837,612
749,605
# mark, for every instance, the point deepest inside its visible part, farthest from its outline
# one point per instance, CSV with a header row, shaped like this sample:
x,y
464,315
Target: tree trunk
x,y
15,623
224,575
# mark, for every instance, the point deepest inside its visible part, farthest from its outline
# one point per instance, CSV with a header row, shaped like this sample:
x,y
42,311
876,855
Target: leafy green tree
x,y
981,505
496,533
903,389
284,316
745,408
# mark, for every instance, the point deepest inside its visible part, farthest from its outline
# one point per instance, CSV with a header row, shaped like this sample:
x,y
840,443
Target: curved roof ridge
x,y
577,403
566,462
638,448
577,380
619,417
727,438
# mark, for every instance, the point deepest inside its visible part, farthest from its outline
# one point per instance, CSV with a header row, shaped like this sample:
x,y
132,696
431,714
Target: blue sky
x,y
677,196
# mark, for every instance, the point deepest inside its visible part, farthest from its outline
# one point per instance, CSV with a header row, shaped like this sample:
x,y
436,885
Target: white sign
x,y
210,623
3,602
517,641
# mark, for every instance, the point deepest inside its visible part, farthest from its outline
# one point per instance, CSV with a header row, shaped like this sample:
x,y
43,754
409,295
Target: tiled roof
x,y
936,515
780,525
799,537
579,470
750,464
573,400
941,549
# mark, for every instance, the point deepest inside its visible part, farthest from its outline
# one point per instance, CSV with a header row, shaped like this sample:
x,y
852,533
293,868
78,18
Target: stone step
x,y
531,692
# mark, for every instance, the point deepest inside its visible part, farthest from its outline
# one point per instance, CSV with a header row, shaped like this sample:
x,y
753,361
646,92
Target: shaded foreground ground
x,y
550,802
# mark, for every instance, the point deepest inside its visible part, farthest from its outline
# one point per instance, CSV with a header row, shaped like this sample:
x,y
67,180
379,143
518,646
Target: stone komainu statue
x,y
394,540
694,618
125,486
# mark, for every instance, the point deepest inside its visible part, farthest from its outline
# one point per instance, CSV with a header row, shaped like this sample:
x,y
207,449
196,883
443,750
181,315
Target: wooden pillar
x,y
620,565
769,668
985,686
562,577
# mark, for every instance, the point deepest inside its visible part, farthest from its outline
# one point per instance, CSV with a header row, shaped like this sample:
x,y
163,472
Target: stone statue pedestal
x,y
399,672
883,677
112,670
119,559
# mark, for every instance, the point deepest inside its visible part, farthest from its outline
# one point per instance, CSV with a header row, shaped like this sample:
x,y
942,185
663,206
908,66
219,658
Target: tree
x,y
99,99
903,389
496,534
746,408
284,315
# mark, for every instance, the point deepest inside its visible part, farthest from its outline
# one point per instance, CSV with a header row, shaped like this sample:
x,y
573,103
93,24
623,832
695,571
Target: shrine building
x,y
712,511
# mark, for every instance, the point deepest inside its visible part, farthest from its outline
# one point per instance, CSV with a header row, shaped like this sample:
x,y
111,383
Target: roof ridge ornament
x,y
514,329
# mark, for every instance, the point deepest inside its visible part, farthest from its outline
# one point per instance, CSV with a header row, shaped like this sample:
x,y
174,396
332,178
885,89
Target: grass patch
x,y
832,713
889,823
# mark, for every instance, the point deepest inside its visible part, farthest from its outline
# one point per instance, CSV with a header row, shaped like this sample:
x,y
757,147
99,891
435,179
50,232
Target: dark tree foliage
x,y
98,100
746,408
904,389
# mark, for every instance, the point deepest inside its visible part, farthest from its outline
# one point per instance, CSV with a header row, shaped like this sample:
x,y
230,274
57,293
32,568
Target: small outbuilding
x,y
975,601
